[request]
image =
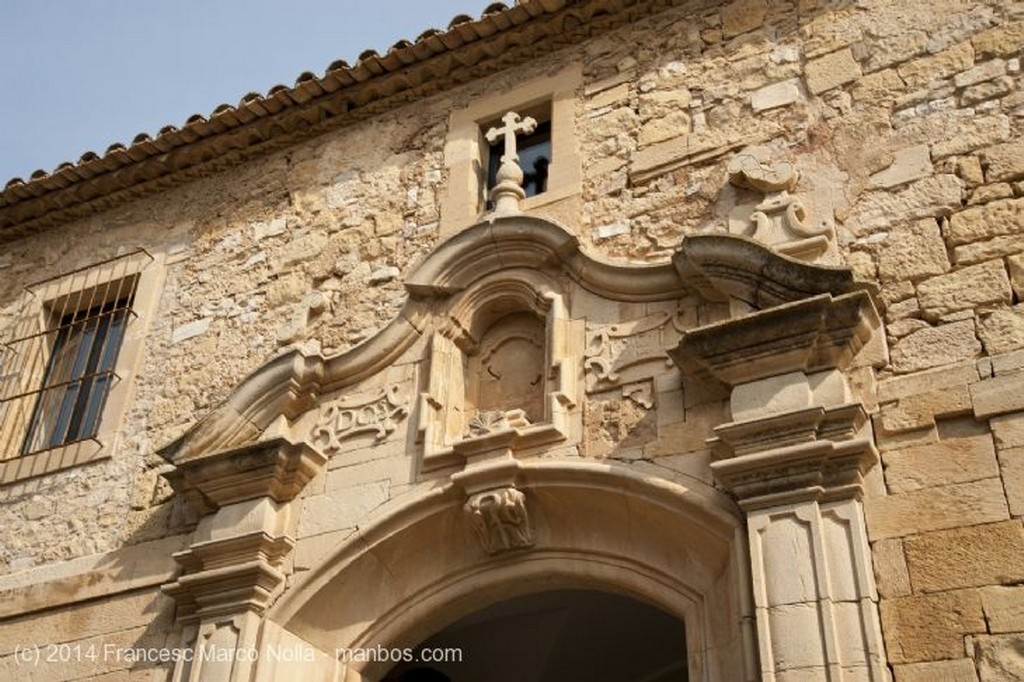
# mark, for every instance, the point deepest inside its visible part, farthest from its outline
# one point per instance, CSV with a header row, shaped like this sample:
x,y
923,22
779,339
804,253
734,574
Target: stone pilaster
x,y
236,564
794,456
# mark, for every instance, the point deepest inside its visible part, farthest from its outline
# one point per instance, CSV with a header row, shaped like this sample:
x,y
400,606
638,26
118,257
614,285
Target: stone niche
x,y
499,371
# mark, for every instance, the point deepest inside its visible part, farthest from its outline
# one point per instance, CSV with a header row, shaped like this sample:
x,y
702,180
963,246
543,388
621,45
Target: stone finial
x,y
508,186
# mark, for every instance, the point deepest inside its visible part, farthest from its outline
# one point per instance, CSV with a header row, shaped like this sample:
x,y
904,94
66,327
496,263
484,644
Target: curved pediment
x,y
714,267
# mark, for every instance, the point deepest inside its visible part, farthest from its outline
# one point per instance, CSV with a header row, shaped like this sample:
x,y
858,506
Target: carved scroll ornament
x,y
343,419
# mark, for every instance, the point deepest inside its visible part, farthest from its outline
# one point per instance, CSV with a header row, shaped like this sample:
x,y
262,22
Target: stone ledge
x,y
57,585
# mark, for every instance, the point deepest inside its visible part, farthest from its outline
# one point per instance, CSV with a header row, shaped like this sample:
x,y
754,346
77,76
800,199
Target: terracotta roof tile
x,y
284,111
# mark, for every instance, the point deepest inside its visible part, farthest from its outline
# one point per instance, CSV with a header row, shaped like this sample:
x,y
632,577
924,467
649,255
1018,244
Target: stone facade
x,y
770,308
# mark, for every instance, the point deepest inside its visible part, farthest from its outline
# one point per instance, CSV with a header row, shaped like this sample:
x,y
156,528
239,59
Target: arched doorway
x,y
622,540
554,636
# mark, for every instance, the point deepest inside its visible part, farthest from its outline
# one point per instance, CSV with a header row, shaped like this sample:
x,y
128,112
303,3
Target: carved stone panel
x,y
616,353
344,418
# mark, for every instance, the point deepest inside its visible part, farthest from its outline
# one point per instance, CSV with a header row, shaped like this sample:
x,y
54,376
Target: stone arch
x,y
415,566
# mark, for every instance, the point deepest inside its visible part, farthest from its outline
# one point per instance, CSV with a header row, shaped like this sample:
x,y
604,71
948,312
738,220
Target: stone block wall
x,y
904,121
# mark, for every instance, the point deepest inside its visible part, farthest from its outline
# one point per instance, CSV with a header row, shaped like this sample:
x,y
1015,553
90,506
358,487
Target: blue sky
x,y
78,75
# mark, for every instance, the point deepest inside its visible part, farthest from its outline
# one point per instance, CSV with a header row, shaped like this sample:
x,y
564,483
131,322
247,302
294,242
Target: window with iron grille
x,y
58,373
78,376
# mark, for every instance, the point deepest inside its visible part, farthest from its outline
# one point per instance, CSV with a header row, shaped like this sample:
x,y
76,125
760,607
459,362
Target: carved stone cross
x,y
508,186
514,123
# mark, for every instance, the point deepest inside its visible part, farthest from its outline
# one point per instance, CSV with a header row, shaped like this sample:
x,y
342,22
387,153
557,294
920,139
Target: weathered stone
x,y
975,133
942,345
924,71
982,72
983,92
664,128
997,247
938,508
913,251
987,193
1004,608
966,557
926,198
1011,465
341,508
969,169
922,409
890,568
741,16
968,288
956,460
1003,162
1003,330
878,88
190,330
1000,658
909,164
998,395
984,222
951,376
959,670
901,328
930,627
775,95
1001,41
1008,430
1015,264
831,70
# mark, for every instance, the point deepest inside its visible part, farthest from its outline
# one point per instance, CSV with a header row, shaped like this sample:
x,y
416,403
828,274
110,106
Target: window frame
x,y
44,302
466,150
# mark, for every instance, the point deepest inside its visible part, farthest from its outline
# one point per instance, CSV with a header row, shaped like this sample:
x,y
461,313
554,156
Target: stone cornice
x,y
808,336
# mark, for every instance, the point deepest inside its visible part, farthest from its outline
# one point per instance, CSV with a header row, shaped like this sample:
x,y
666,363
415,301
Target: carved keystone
x,y
500,520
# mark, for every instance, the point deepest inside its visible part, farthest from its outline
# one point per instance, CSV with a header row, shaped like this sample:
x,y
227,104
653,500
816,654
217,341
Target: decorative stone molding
x,y
236,564
500,520
779,221
277,468
347,418
795,456
724,267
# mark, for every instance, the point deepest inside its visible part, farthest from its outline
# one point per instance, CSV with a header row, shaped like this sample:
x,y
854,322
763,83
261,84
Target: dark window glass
x,y
534,158
78,376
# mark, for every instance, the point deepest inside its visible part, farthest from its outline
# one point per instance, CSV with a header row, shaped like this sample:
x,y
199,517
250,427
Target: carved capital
x,y
500,520
809,454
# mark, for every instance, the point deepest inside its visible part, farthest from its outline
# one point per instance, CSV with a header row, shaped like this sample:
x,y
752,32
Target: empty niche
x,y
502,366
505,378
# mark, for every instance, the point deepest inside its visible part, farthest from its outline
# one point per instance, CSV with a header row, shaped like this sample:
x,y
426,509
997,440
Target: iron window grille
x,y
58,379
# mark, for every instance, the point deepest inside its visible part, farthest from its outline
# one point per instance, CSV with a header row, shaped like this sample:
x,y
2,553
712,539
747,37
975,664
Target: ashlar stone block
x,y
959,670
938,508
913,251
997,218
971,287
990,554
931,626
832,70
1004,608
936,346
957,460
